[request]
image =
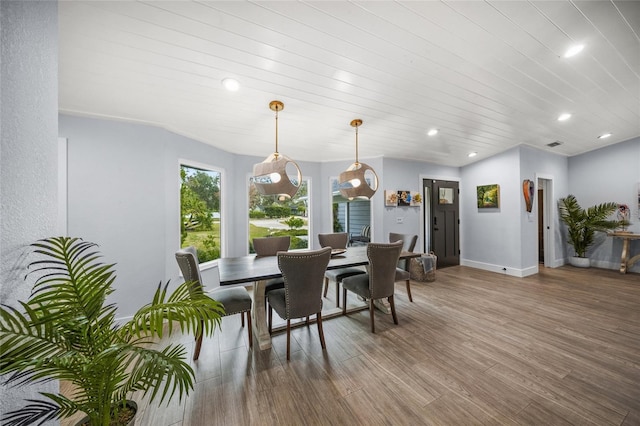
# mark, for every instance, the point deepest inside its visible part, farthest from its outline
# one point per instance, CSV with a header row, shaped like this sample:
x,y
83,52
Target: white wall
x,y
536,163
405,174
609,174
28,152
491,239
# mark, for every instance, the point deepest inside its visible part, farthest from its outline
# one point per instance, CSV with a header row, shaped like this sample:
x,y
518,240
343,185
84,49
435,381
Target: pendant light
x,y
270,177
353,181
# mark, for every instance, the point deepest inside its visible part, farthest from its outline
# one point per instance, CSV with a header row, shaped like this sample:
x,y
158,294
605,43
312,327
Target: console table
x,y
626,237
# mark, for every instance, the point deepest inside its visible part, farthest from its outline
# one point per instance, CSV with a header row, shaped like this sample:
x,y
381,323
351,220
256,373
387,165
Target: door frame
x,y
545,182
426,238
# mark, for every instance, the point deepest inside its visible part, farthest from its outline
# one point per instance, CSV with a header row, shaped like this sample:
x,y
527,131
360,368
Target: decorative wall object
x,y
394,198
390,198
528,190
404,198
488,196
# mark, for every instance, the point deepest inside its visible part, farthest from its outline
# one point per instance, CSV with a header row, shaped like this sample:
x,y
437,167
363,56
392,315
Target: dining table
x,y
256,270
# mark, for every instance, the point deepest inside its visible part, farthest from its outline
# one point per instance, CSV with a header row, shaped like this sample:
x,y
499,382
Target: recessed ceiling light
x,y
231,84
604,136
573,50
432,132
472,154
564,117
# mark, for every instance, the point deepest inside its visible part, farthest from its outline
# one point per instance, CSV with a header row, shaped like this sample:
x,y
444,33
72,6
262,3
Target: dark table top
x,y
244,269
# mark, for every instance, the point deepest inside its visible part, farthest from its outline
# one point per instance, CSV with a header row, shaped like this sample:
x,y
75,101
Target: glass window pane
x,y
273,215
200,212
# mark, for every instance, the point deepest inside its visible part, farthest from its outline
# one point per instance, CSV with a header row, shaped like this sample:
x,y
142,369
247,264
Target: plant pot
x,y
130,404
580,262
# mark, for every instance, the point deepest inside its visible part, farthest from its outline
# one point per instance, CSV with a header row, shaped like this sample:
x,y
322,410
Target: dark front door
x,y
445,223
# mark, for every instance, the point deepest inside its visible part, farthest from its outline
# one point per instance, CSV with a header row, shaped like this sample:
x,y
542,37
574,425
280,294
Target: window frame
x,y
223,206
310,241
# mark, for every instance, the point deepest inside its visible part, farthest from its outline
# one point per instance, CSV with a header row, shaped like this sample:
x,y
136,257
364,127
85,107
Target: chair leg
x,y
392,304
196,351
371,314
270,319
288,340
344,301
337,294
409,290
249,328
242,319
326,287
320,331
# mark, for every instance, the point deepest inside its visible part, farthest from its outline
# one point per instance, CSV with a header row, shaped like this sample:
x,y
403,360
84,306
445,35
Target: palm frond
x,y
67,331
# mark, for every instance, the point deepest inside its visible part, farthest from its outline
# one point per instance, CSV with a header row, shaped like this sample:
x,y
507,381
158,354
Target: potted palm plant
x,y
582,224
67,331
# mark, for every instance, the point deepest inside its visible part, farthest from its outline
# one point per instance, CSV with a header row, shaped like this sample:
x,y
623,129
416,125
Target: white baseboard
x,y
500,269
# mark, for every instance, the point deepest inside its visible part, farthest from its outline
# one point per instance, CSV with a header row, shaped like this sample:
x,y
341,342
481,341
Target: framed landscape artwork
x,y
488,196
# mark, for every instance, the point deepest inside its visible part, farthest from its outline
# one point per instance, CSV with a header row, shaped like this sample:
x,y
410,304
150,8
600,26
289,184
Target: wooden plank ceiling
x,y
488,75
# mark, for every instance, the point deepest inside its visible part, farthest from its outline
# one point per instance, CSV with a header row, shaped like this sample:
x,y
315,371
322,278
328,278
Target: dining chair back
x,y
302,293
235,300
402,270
270,246
337,240
379,281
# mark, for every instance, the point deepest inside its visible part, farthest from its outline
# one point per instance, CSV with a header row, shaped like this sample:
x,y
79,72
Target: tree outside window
x,y
200,211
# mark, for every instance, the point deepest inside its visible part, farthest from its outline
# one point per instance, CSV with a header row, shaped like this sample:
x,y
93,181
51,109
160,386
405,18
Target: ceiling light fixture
x,y
432,132
231,84
604,135
472,154
270,177
359,180
564,117
573,50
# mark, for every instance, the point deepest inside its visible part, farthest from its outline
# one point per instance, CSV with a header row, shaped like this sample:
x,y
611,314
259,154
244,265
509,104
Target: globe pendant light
x,y
270,177
352,182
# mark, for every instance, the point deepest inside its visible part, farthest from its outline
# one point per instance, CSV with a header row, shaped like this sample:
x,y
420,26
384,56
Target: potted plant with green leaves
x,y
582,224
67,331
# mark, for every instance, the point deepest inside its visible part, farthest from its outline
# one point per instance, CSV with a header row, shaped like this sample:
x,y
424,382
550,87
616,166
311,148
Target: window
x,y
272,215
200,211
350,216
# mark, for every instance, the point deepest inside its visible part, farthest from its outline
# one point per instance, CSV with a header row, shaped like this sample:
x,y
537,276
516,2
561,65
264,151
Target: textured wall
x,y
28,150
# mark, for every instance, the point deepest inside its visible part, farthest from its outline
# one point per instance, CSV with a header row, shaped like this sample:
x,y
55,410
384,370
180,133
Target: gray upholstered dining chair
x,y
236,300
402,270
337,240
302,293
270,246
379,281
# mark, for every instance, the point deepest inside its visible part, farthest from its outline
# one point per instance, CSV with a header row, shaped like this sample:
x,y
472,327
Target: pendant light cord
x,y
357,145
276,153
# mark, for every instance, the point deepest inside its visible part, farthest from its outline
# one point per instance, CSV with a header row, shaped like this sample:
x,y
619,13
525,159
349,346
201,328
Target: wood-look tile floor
x,y
475,348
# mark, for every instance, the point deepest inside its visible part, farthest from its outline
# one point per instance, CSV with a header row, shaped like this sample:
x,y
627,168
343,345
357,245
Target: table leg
x,y
624,258
259,316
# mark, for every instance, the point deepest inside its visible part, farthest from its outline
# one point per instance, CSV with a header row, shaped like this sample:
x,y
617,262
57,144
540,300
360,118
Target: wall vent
x,y
554,144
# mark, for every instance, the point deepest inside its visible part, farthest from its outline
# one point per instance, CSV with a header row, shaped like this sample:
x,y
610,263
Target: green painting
x,y
488,196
